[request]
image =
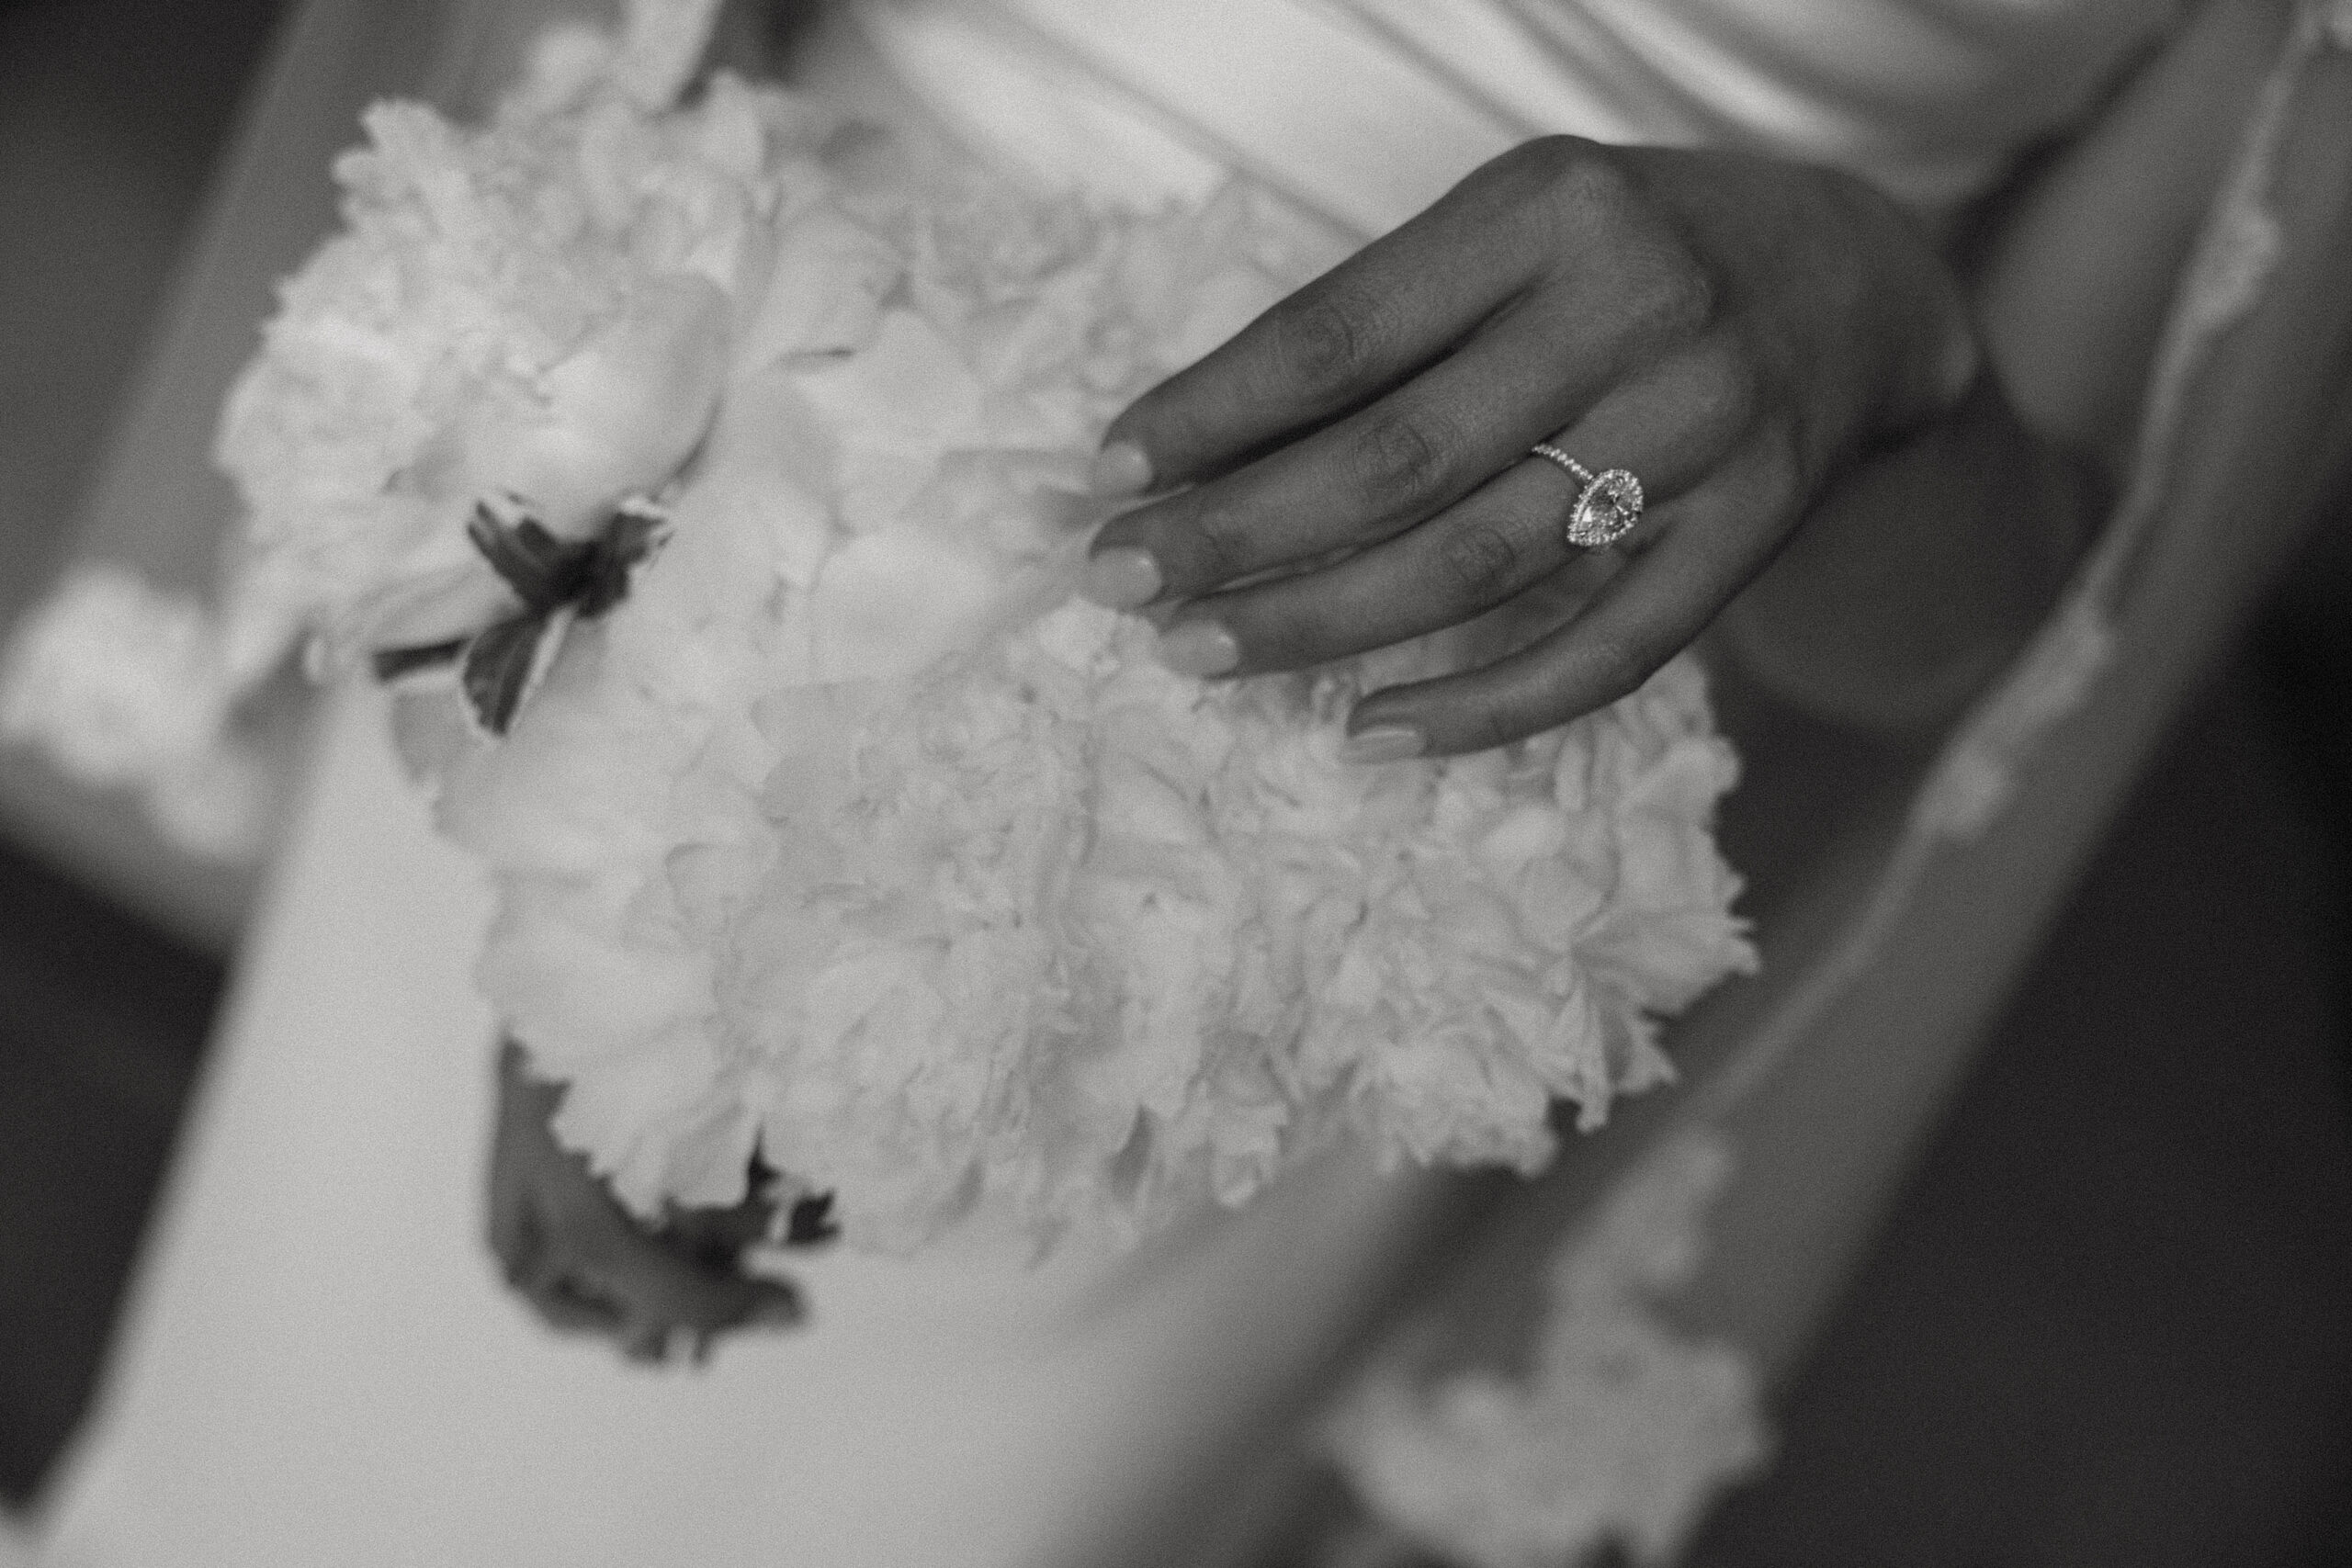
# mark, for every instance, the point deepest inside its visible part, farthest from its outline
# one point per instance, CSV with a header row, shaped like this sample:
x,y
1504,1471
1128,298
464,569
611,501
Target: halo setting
x,y
1607,510
1608,504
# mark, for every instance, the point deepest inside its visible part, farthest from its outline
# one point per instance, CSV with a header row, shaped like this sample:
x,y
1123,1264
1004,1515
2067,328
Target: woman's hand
x,y
585,1264
1732,330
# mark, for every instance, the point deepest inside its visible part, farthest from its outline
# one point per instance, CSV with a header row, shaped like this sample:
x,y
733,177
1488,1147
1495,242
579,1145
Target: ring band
x,y
1608,503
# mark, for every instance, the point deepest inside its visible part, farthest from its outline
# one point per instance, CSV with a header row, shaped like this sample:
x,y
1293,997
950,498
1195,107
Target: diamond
x,y
1607,510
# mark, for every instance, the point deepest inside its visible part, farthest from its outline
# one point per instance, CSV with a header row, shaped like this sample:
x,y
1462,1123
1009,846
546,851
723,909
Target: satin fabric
x,y
1366,112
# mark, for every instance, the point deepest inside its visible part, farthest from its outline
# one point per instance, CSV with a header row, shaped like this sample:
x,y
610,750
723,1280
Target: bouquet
x,y
712,482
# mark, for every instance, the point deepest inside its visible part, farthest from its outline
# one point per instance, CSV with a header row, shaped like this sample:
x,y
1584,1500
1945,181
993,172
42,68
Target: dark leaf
x,y
499,665
632,535
812,1222
543,570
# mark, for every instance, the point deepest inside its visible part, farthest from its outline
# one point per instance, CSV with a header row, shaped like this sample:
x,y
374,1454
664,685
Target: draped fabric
x,y
1365,111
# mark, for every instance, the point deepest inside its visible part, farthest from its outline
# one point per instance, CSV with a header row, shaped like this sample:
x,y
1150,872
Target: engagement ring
x,y
1607,507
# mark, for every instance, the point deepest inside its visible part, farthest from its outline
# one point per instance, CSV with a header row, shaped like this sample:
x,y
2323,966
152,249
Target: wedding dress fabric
x,y
321,1367
1366,111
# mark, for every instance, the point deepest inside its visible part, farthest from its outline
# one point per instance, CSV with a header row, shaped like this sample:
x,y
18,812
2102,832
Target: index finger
x,y
1333,345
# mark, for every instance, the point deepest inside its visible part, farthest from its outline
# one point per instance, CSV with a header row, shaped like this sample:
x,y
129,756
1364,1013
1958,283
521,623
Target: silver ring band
x,y
1577,471
1608,503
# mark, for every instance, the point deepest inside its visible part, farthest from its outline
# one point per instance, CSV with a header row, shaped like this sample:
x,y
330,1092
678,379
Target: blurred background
x,y
112,115
2125,1339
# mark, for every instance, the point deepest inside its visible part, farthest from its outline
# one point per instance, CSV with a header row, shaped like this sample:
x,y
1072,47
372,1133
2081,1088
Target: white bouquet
x,y
738,477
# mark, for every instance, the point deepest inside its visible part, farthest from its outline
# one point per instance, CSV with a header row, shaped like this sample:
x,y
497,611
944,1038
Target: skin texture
x,y
1350,469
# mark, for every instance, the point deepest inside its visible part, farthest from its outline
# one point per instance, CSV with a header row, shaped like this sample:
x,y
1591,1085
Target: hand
x,y
587,1265
1731,329
1920,573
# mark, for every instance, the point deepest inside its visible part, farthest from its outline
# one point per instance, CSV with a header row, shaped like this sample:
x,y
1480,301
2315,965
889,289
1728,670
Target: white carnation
x,y
124,684
542,309
118,679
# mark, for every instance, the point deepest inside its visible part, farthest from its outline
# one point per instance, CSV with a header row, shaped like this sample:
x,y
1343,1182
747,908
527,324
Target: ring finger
x,y
1671,426
1718,537
1378,471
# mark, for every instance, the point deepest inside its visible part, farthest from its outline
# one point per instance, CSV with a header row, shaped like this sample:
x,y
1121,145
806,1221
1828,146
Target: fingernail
x,y
1121,468
1199,647
1121,577
1384,743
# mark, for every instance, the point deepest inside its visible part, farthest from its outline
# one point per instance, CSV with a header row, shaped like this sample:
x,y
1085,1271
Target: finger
x,y
1488,547
1710,545
1374,473
1672,425
1341,340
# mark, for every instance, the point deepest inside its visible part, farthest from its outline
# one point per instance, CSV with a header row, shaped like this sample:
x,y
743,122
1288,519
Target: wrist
x,y
1870,323
1920,573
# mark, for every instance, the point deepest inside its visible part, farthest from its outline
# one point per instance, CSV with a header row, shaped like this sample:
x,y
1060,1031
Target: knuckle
x,y
1221,538
1403,459
1534,165
1674,296
1594,203
1478,560
1591,182
1555,187
1325,341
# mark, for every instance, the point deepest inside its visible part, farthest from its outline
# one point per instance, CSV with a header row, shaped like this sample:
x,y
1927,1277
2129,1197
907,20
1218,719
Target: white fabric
x,y
322,1368
1366,111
